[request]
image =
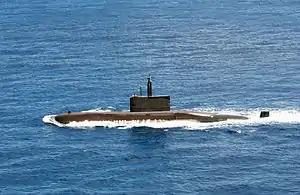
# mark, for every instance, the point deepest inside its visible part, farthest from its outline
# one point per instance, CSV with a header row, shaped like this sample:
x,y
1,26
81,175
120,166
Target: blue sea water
x,y
230,56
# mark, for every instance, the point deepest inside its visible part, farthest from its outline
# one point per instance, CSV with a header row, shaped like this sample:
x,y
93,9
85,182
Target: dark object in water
x,y
264,114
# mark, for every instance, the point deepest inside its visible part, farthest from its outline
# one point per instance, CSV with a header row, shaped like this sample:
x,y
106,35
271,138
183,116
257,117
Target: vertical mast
x,y
149,86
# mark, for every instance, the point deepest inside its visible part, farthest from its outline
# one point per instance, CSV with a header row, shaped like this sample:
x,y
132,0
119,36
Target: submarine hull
x,y
135,116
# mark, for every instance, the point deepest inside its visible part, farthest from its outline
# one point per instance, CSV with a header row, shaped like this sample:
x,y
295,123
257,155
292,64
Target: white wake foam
x,y
276,116
50,119
108,109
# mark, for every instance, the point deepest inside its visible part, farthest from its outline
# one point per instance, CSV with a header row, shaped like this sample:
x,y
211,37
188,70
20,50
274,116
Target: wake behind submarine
x,y
149,108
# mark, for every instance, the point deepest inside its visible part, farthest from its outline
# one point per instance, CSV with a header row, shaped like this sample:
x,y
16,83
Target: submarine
x,y
149,107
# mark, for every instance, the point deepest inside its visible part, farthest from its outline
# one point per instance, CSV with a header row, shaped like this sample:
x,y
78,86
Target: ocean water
x,y
237,57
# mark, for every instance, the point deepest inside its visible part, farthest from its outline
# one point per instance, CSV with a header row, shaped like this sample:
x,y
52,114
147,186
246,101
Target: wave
x,y
277,116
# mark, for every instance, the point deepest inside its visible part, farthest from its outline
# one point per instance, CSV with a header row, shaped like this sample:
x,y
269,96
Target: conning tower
x,y
149,103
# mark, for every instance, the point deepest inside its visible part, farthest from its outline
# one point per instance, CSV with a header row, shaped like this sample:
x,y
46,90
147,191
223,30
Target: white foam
x,y
50,119
157,124
108,109
276,116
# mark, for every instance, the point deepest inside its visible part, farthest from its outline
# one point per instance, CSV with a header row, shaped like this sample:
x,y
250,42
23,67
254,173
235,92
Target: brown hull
x,y
134,116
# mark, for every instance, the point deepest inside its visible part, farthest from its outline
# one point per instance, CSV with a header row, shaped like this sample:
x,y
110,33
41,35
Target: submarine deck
x,y
133,116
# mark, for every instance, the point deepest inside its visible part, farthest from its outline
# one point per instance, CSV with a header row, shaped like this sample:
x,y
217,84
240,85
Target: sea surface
x,y
236,57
